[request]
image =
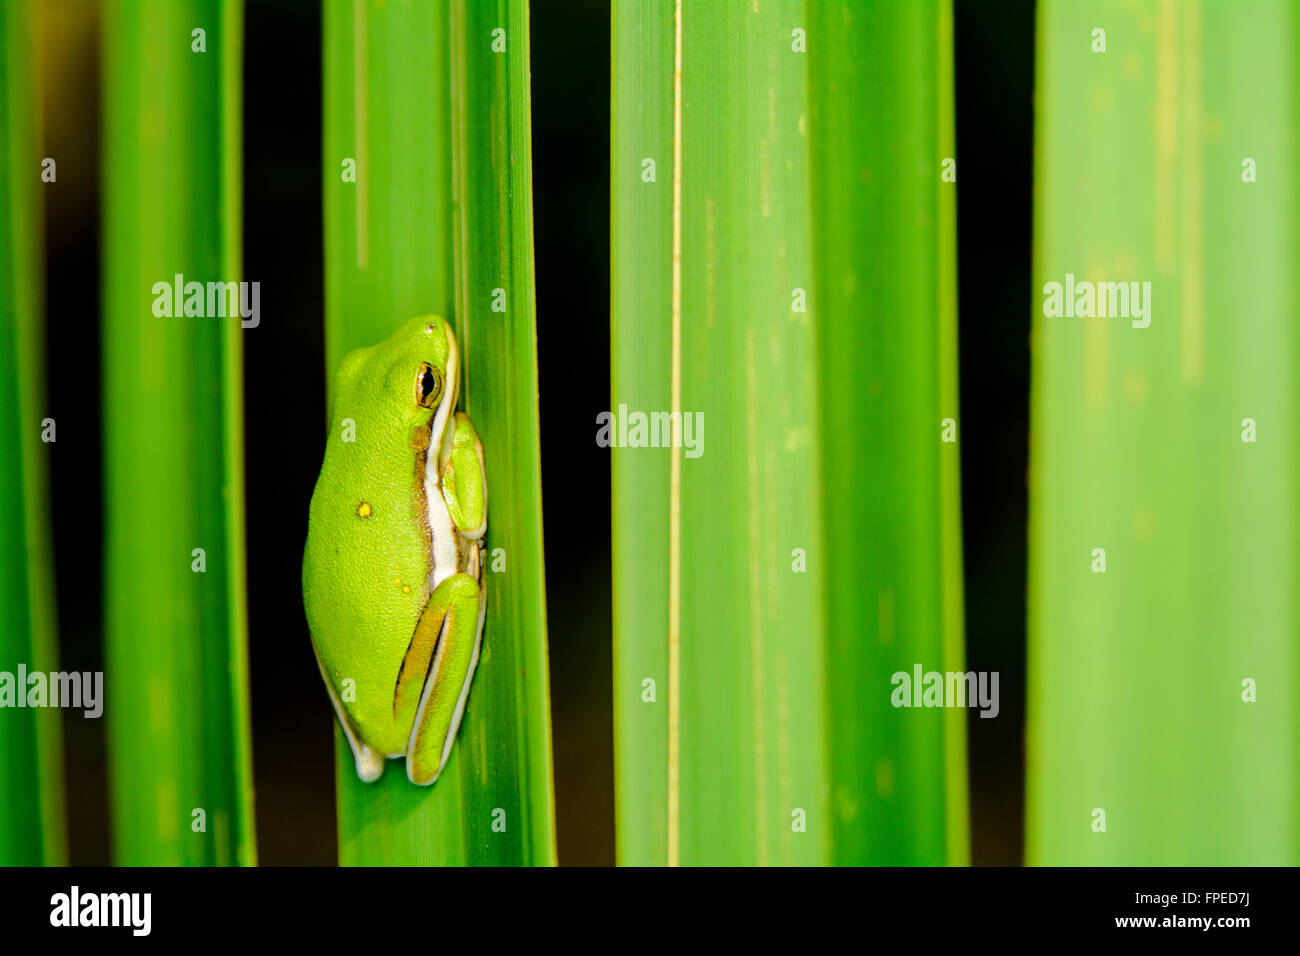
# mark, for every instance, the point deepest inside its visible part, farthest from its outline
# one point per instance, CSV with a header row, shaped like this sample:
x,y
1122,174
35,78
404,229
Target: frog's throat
x,y
441,532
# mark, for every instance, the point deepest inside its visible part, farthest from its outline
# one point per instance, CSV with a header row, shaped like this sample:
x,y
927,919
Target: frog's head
x,y
420,365
412,373
422,370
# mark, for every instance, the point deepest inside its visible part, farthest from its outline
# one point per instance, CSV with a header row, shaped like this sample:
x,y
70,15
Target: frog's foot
x,y
457,604
370,764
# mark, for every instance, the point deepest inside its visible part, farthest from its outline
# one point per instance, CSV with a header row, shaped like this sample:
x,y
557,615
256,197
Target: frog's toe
x,y
369,764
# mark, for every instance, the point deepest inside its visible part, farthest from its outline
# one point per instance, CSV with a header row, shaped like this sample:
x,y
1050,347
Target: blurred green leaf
x,y
1136,674
31,756
176,657
783,266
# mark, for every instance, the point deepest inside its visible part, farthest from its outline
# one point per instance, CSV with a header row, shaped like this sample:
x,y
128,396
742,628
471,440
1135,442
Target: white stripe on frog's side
x,y
444,550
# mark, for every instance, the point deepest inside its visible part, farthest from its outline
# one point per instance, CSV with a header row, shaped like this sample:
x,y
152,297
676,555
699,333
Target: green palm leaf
x,y
432,105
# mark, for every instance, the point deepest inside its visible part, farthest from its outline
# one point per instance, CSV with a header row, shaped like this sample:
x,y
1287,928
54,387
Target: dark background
x,y
292,734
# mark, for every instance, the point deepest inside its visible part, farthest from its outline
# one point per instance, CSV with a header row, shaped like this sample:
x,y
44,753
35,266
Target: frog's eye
x,y
428,385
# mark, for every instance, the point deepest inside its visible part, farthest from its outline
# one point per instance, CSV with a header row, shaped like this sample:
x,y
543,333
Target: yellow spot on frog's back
x,y
363,510
406,588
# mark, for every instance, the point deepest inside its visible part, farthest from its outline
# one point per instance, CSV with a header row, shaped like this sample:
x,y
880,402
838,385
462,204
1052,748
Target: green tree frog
x,y
392,574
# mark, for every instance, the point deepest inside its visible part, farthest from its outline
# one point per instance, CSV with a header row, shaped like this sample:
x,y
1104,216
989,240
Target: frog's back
x,y
367,568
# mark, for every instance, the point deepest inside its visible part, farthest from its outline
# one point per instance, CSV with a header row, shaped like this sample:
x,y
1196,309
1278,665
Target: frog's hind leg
x,y
458,604
370,764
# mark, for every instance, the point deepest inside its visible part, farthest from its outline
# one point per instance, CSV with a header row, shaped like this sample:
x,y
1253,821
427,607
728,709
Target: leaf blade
x,y
439,218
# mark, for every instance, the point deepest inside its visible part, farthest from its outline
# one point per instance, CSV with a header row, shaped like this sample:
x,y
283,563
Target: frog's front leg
x,y
463,483
432,696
